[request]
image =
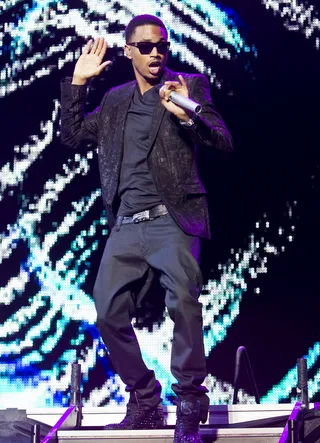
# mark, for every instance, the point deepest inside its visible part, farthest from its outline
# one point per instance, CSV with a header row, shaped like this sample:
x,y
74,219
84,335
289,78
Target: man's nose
x,y
154,51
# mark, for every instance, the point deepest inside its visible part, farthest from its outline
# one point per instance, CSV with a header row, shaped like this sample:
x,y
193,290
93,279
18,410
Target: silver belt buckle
x,y
141,216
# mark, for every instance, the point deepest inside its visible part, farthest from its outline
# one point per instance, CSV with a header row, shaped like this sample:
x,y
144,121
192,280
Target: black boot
x,y
187,425
138,417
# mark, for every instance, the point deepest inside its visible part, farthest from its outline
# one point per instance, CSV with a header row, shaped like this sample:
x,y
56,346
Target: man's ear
x,y
127,51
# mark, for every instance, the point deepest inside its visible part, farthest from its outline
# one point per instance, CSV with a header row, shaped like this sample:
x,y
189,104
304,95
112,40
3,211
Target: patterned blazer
x,y
172,147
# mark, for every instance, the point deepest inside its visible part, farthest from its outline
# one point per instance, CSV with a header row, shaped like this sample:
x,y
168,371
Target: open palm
x,y
90,62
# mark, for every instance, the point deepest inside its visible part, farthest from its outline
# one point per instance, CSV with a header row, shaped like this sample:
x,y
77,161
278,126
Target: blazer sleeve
x,y
209,129
77,129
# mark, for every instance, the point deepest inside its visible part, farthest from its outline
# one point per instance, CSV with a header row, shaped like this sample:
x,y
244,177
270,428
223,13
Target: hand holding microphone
x,y
175,98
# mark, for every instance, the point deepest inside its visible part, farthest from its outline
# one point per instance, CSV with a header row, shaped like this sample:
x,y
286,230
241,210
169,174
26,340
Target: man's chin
x,y
154,77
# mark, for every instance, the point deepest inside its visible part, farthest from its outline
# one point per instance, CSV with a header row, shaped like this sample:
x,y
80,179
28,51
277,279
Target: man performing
x,y
157,209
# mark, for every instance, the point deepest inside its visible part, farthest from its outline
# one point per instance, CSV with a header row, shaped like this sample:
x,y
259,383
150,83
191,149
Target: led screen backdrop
x,y
261,268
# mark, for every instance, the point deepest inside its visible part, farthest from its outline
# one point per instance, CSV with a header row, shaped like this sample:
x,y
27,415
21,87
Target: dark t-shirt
x,y
136,188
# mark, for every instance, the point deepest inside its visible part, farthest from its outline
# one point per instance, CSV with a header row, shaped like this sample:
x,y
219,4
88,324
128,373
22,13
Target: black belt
x,y
149,214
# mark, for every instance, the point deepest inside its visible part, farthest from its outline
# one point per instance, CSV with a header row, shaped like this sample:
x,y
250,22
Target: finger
x,y
95,45
100,46
161,92
165,92
103,66
173,87
172,84
104,49
87,47
183,82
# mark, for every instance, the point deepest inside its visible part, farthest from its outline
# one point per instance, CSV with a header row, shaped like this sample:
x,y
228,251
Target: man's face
x,y
147,66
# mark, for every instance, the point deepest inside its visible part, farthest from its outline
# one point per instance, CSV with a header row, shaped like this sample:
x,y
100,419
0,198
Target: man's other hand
x,y
90,63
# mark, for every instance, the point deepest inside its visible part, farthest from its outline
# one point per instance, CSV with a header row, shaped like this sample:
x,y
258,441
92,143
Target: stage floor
x,y
270,435
215,430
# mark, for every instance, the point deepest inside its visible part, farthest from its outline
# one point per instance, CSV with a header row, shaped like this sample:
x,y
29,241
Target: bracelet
x,y
187,124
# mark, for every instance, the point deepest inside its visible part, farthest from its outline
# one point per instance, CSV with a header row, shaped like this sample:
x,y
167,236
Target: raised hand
x,y
90,63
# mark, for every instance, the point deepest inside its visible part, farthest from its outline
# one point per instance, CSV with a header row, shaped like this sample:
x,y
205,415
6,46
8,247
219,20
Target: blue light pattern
x,y
54,283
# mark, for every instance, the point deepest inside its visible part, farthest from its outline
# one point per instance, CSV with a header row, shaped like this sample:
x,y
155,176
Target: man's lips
x,y
154,67
155,63
154,70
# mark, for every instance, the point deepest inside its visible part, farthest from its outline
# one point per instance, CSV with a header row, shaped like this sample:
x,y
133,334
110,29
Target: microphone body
x,y
185,103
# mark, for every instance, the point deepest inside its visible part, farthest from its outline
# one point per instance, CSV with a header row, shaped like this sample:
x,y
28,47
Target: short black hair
x,y
141,20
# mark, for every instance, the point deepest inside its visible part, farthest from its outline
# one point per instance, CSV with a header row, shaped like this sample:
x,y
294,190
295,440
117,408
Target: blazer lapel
x,y
157,117
159,110
122,111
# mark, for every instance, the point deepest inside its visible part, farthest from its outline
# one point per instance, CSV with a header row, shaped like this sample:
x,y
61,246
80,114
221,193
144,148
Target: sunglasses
x,y
147,47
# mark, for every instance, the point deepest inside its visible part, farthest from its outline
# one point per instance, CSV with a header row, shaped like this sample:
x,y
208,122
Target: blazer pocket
x,y
194,188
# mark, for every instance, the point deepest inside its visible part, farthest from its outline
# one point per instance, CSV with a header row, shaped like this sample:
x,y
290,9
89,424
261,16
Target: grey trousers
x,y
129,253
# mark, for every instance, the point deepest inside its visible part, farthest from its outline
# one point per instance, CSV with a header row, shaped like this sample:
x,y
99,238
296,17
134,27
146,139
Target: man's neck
x,y
145,86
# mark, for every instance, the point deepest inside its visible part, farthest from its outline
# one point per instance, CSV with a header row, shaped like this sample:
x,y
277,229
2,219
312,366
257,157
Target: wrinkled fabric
x,y
172,148
130,253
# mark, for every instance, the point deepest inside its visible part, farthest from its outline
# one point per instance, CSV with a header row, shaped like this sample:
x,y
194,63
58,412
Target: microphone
x,y
184,102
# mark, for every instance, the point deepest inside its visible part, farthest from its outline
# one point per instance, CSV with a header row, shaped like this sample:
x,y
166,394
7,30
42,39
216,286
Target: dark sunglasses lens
x,y
163,47
147,47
